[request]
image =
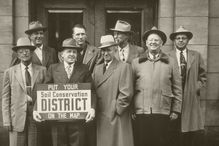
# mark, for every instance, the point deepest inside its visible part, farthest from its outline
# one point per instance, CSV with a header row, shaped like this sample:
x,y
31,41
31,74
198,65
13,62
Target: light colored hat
x,y
122,26
181,30
35,26
23,42
69,43
154,30
107,41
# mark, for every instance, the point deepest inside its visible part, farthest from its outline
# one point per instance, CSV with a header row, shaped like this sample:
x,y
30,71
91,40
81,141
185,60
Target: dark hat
x,y
107,41
122,26
154,30
70,44
35,26
181,30
23,42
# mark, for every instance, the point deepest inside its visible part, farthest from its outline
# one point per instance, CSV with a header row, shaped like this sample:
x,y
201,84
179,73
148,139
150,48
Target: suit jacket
x,y
134,52
14,95
114,91
49,57
81,74
192,115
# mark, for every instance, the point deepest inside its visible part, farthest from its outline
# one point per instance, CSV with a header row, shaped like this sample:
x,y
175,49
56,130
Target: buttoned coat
x,y
157,85
114,91
49,57
192,115
134,52
14,95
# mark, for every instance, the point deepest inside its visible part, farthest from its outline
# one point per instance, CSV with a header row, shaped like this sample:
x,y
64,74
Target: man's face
x,y
181,41
69,55
120,37
79,35
108,53
24,54
154,42
37,38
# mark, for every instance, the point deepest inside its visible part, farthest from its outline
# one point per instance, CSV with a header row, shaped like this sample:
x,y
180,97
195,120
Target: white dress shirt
x,y
108,64
178,57
39,53
124,51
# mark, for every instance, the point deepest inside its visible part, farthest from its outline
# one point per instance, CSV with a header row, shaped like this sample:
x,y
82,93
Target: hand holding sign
x,y
37,117
90,115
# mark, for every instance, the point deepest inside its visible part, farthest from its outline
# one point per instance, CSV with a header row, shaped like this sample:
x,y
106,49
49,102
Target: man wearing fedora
x,y
114,88
157,92
192,69
70,132
126,52
19,96
43,55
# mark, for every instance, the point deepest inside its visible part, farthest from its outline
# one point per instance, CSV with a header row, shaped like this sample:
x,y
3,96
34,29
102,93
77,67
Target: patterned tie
x,y
123,55
28,81
183,68
105,67
69,71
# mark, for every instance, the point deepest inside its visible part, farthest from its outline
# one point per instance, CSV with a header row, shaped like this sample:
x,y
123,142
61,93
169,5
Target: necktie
x,y
122,55
69,71
183,68
28,81
105,67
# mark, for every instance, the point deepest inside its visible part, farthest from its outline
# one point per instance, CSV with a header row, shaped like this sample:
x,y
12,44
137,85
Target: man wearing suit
x,y
114,88
89,54
18,96
43,55
157,93
69,71
193,73
126,52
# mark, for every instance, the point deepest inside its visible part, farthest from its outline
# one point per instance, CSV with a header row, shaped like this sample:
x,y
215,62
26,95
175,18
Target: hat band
x,y
108,43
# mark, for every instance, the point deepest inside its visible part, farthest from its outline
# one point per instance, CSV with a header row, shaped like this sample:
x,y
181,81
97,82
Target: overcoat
x,y
49,57
192,115
114,91
14,95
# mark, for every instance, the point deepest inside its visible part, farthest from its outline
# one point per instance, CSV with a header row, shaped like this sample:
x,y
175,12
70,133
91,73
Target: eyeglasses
x,y
181,38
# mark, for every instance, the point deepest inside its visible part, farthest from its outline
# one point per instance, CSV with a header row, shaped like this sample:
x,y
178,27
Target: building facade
x,y
199,16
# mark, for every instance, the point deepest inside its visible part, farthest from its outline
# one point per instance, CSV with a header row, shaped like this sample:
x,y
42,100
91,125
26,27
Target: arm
x,y
125,89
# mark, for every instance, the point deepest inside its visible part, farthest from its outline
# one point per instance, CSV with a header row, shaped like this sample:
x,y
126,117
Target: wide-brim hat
x,y
107,41
122,26
23,42
35,26
181,30
70,44
154,30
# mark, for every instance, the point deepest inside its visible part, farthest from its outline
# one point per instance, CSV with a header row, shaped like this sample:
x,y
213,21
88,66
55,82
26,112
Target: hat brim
x,y
158,32
29,31
107,45
79,49
32,48
187,33
119,30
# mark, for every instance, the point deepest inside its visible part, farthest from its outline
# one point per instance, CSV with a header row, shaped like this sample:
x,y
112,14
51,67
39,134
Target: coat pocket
x,y
166,99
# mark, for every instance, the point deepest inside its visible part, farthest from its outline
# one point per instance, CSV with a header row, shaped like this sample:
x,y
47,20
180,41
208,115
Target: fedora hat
x,y
107,41
23,42
181,30
35,26
69,43
154,30
122,26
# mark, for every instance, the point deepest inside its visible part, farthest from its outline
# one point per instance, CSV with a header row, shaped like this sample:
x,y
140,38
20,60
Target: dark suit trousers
x,y
193,138
150,129
28,137
68,133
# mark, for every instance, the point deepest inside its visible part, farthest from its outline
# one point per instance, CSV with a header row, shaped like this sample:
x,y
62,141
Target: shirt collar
x,y
23,66
66,64
125,48
178,51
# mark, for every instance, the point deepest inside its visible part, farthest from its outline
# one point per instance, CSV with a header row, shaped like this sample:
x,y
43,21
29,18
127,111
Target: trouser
x,y
45,137
90,133
194,138
150,129
68,133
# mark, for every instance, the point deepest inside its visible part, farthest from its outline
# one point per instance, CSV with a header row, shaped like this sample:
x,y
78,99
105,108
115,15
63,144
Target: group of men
x,y
137,93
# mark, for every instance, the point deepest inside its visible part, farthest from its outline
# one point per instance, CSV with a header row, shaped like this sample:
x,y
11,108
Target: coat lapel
x,y
19,76
35,59
132,53
108,72
76,73
117,54
190,59
46,55
35,74
61,73
89,54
